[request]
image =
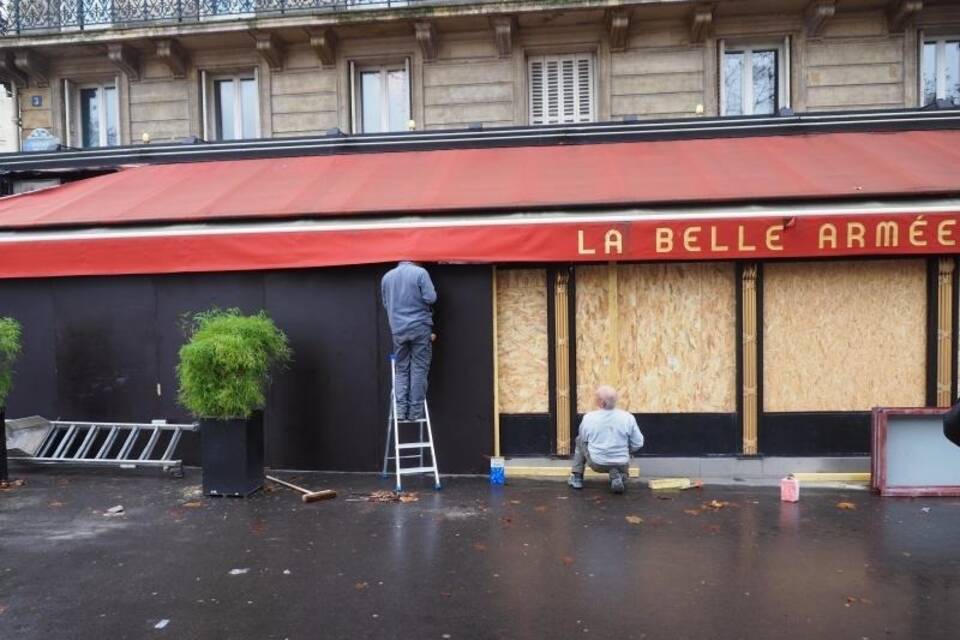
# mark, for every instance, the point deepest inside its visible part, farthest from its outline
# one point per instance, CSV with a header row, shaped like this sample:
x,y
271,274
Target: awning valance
x,y
927,227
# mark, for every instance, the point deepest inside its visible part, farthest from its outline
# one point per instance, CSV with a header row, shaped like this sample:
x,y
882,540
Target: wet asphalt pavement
x,y
529,560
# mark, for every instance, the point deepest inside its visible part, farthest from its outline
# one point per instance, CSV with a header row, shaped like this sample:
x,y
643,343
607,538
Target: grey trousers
x,y
414,351
581,460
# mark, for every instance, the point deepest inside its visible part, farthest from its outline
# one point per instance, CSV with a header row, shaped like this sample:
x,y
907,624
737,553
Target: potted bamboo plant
x,y
9,352
224,371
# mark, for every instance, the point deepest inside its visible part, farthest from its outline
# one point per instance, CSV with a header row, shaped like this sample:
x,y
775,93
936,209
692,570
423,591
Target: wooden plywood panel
x,y
669,345
592,322
522,349
844,336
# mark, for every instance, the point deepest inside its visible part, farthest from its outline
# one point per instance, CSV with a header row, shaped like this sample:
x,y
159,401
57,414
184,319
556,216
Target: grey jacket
x,y
407,293
610,435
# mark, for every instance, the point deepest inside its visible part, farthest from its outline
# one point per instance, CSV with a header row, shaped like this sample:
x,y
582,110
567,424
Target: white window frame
x,y
208,99
940,42
591,57
782,48
356,93
73,111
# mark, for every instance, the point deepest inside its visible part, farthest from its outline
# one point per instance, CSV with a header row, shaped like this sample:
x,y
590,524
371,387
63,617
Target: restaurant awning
x,y
456,205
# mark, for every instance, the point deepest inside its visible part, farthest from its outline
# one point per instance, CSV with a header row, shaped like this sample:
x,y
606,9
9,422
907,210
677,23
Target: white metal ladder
x,y
420,446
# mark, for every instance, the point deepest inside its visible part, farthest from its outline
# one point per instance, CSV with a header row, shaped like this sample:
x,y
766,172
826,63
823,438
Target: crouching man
x,y
607,437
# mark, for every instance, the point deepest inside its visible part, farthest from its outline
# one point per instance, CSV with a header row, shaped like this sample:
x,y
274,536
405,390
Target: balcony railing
x,y
51,16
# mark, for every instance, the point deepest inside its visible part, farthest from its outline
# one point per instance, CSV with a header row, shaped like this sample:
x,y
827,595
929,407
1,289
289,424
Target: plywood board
x,y
669,344
522,348
844,336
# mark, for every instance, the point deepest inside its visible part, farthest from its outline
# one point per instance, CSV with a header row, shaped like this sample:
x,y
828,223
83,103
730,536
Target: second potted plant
x,y
9,352
224,371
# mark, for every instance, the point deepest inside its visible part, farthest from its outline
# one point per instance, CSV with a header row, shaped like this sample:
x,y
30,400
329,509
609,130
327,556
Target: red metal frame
x,y
878,459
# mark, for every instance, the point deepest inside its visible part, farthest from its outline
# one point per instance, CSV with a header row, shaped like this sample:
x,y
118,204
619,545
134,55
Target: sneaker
x,y
575,481
616,482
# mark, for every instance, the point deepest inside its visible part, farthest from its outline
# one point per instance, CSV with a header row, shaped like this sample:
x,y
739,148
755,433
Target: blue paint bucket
x,y
497,472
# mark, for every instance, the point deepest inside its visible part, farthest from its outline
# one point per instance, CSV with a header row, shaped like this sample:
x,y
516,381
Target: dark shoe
x,y
575,481
616,482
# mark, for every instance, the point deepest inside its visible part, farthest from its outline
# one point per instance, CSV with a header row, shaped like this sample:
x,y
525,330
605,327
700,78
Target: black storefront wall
x,y
105,348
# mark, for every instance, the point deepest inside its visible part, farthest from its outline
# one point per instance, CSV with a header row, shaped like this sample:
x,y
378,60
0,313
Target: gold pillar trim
x,y
945,332
749,358
562,358
613,318
496,370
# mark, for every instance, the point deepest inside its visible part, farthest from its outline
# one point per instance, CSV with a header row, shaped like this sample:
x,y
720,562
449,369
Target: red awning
x,y
750,169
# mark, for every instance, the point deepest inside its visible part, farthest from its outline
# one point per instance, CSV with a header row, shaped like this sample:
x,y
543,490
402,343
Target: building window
x,y
381,98
941,71
95,108
753,80
561,88
234,107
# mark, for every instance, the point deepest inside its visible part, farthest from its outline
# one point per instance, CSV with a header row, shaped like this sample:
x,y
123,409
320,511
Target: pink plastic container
x,y
789,489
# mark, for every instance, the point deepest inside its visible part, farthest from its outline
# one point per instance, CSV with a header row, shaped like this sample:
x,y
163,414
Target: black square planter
x,y
3,444
232,455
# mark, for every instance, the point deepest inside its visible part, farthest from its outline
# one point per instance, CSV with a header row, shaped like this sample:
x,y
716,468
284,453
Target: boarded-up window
x,y
561,88
668,345
522,351
844,336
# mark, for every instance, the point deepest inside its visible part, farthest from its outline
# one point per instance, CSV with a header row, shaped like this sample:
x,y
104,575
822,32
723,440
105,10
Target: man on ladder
x,y
408,296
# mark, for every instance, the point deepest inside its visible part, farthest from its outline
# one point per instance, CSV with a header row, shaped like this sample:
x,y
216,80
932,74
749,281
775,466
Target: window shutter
x,y
67,113
585,84
561,89
537,95
204,108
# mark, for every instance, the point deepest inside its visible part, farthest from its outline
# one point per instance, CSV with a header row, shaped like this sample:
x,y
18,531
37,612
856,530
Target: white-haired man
x,y
607,437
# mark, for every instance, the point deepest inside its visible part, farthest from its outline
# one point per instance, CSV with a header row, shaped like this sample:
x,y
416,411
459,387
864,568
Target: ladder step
x,y
413,445
411,470
412,421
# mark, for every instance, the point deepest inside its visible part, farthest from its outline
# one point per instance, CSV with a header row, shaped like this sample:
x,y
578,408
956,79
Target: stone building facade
x,y
119,77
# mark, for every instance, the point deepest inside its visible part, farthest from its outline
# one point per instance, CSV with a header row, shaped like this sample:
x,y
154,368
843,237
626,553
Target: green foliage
x,y
226,364
9,352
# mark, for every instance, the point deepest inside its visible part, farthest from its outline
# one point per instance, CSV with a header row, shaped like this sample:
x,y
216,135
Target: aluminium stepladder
x,y
420,446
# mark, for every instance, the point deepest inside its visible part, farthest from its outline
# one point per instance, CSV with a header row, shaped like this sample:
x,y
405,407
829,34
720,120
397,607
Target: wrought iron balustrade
x,y
52,16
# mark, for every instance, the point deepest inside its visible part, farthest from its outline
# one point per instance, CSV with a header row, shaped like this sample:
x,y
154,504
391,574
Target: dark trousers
x,y
413,350
581,460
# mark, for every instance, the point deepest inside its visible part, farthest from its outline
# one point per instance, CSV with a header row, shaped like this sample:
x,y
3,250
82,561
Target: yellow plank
x,y
556,472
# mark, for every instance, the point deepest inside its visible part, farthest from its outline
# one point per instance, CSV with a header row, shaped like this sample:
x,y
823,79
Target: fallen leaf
x,y
846,506
712,529
716,505
633,519
661,496
691,512
567,560
360,586
446,594
237,572
514,502
56,504
540,508
477,546
851,600
193,505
